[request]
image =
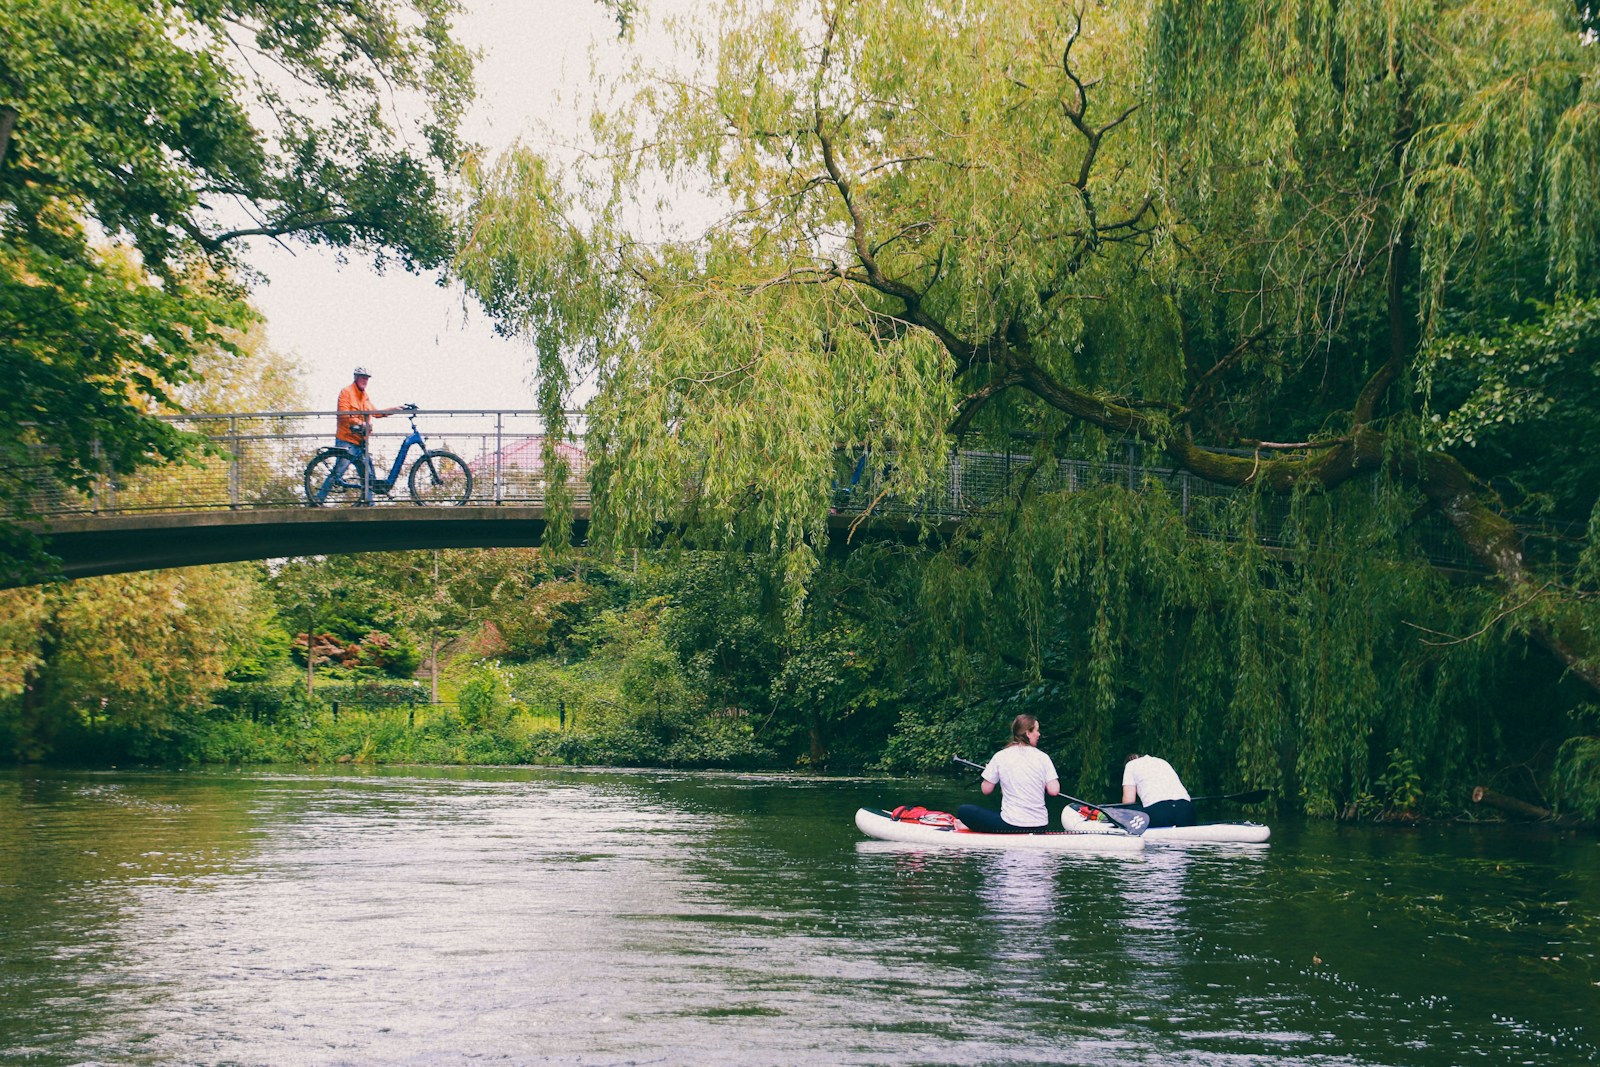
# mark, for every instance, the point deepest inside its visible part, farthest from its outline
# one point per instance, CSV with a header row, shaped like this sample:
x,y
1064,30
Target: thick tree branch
x,y
1472,508
215,242
858,224
971,404
1400,345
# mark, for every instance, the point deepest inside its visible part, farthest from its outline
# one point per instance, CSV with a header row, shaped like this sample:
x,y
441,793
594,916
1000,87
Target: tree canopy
x,y
147,141
1284,249
1332,236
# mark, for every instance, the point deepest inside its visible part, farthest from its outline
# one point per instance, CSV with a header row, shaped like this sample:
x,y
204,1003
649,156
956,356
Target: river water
x,y
426,916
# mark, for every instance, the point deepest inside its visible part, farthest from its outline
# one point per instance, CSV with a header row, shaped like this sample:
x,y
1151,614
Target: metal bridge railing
x,y
258,460
979,482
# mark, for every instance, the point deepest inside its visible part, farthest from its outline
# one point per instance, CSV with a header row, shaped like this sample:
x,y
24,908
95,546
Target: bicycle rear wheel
x,y
440,479
323,490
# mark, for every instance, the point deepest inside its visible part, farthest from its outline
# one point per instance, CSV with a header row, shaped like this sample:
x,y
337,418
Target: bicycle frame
x,y
385,484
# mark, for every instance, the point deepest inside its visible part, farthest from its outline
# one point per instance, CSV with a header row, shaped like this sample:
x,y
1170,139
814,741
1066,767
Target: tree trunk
x,y
311,656
433,666
1523,810
8,121
1485,795
819,749
35,731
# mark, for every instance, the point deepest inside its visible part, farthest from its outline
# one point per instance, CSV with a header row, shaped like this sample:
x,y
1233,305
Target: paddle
x,y
1134,822
1255,796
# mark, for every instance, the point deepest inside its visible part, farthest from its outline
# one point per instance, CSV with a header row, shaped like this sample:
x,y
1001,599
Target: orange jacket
x,y
353,427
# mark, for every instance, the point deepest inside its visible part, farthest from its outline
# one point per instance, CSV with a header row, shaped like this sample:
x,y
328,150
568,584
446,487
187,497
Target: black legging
x,y
1171,813
986,821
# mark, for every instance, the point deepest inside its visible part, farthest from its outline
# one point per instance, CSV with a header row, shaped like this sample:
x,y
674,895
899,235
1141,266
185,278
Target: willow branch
x,y
1485,628
1224,363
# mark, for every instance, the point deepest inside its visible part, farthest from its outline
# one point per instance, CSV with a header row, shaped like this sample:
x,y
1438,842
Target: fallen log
x,y
1485,795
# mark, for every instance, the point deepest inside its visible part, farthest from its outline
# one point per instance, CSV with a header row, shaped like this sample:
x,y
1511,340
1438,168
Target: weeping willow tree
x,y
1338,257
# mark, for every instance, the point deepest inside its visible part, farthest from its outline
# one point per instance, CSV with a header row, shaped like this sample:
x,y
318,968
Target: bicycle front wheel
x,y
440,479
324,489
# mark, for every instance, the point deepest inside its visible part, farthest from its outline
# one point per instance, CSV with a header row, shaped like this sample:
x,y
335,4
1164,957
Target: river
x,y
428,916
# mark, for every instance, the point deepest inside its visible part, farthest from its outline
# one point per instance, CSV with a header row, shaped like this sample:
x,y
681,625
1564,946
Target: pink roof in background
x,y
527,453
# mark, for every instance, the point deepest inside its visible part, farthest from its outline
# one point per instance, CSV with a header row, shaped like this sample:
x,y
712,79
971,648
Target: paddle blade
x,y
1132,820
1135,822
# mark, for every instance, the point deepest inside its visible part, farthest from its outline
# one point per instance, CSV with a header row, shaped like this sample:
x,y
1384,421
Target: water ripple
x,y
425,917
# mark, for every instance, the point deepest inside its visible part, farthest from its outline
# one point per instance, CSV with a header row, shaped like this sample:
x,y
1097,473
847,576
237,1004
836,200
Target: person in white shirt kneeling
x,y
1150,783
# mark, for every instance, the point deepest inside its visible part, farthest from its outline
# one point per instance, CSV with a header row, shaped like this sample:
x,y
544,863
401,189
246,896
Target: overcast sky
x,y
422,344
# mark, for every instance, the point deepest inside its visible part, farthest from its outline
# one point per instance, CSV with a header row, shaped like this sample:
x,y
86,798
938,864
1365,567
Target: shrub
x,y
1577,777
485,699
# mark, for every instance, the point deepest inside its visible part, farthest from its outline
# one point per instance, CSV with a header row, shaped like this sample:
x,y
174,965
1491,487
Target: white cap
x,y
362,372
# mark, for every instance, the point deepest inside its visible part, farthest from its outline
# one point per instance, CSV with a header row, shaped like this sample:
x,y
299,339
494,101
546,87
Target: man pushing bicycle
x,y
438,477
355,424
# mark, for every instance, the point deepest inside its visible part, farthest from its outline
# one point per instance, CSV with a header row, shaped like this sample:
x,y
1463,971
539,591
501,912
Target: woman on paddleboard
x,y
1024,776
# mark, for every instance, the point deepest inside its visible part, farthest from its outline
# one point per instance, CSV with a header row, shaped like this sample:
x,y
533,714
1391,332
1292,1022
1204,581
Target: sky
x,y
425,344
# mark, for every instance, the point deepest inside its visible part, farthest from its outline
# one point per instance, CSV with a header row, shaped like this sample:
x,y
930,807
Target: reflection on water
x,y
1153,891
1154,903
1019,896
1019,888
434,916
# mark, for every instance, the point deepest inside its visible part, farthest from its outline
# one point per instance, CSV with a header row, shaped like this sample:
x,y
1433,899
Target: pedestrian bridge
x,y
116,543
245,498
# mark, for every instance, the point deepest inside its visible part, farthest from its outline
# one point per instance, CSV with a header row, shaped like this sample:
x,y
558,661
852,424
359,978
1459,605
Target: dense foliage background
x,y
141,143
689,659
1339,263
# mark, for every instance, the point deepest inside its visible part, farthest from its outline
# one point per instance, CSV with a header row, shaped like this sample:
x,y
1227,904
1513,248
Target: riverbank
x,y
425,734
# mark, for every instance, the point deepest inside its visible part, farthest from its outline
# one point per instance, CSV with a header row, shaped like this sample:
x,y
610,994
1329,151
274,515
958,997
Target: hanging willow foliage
x,y
1299,250
1297,668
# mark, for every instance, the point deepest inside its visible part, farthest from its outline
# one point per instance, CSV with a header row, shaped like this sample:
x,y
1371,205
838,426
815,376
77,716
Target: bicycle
x,y
438,477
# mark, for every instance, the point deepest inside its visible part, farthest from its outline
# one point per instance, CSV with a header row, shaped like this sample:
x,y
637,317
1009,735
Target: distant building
x,y
515,470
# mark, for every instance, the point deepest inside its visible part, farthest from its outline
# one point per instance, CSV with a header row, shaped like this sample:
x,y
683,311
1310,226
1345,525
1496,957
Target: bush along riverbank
x,y
468,730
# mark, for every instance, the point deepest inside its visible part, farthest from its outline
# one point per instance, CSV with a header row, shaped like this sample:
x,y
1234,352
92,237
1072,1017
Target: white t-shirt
x,y
1021,772
1154,780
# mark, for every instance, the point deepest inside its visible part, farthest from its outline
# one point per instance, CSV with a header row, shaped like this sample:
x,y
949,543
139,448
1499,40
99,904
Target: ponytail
x,y
1021,727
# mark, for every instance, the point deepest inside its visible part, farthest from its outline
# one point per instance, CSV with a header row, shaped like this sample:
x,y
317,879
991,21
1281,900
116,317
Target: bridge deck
x,y
129,542
115,544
